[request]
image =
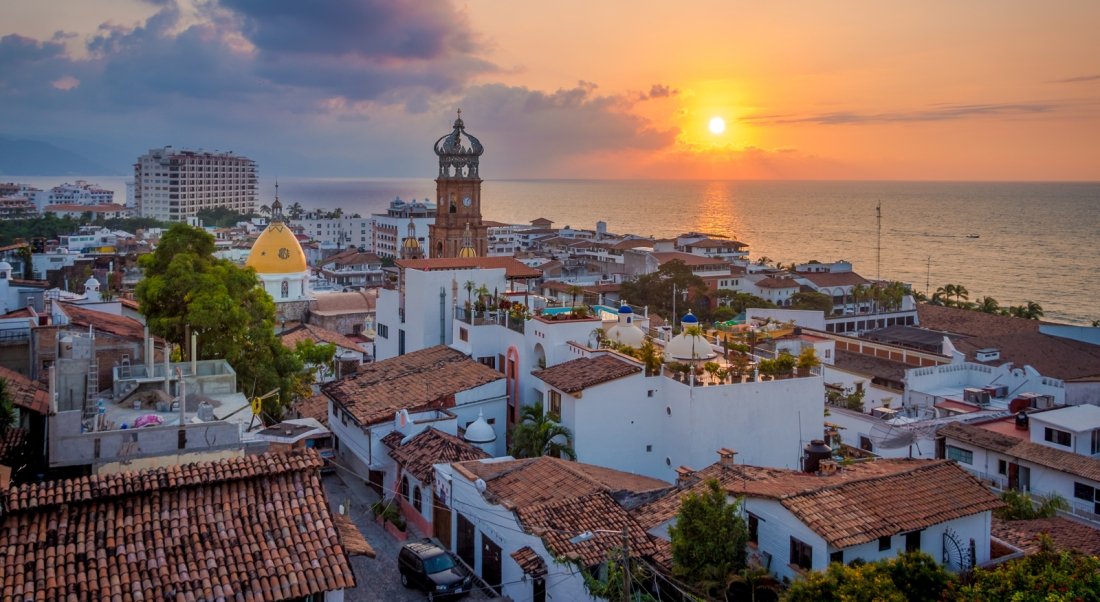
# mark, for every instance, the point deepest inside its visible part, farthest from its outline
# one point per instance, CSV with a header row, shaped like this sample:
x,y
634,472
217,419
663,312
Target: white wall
x,y
493,521
923,382
800,317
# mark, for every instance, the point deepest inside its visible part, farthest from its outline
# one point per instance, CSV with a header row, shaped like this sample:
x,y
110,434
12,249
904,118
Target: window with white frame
x,y
958,454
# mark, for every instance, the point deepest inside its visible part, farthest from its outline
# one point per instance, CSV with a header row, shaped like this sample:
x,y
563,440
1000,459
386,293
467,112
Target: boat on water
x,y
973,235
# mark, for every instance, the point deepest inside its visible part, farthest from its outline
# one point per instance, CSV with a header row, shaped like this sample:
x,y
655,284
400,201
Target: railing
x,y
489,317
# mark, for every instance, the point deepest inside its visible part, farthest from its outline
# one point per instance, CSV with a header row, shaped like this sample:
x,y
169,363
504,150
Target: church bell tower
x,y
458,229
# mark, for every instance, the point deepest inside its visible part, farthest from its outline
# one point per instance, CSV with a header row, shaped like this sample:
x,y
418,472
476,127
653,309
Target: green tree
x,y
709,538
1021,506
656,289
186,288
316,357
812,300
539,434
1049,576
574,291
7,408
988,305
911,577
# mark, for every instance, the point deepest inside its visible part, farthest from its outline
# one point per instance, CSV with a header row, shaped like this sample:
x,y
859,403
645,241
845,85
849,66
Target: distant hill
x,y
24,157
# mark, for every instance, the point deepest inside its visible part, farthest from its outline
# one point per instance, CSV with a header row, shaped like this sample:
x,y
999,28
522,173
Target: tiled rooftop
x,y
1018,340
859,503
311,332
512,268
830,279
25,393
534,481
777,283
559,521
250,528
1065,533
121,326
432,446
315,407
421,380
1064,461
529,562
332,304
579,374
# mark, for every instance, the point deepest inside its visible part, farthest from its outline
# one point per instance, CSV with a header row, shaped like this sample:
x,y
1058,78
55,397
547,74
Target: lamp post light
x,y
588,535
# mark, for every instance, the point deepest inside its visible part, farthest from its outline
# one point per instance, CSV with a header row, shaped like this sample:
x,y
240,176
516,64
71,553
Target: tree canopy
x,y
186,288
538,434
656,290
911,577
708,539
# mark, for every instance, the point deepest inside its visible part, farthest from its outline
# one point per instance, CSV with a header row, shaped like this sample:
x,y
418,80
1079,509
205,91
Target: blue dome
x,y
625,309
689,318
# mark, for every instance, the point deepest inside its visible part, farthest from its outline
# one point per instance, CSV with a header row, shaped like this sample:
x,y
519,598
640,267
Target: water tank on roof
x,y
812,455
1022,421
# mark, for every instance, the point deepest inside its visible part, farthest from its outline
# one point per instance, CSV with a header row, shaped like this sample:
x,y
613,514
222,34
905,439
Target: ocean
x,y
1014,241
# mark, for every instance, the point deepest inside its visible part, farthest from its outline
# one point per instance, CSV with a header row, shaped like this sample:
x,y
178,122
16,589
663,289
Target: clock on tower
x,y
458,197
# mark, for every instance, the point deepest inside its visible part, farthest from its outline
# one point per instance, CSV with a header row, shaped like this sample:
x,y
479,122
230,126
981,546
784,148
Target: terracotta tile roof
x,y
331,304
777,283
1065,533
22,312
12,445
831,279
1018,340
315,407
129,303
423,379
305,332
1063,461
355,258
633,243
689,259
715,243
26,393
579,374
393,440
513,268
557,522
432,446
530,562
250,528
120,326
534,481
858,504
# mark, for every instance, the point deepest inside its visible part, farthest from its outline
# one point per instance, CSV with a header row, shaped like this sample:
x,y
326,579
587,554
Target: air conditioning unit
x,y
1037,401
979,397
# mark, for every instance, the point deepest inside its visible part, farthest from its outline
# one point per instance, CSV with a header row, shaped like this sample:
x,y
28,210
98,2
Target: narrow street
x,y
376,579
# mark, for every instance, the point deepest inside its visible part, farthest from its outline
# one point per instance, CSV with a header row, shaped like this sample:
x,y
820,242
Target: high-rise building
x,y
173,185
458,230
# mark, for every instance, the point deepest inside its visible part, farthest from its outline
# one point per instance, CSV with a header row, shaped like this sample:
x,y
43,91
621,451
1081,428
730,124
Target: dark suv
x,y
430,568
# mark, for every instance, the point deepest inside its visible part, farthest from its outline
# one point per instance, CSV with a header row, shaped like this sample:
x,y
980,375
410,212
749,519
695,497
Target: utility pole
x,y
673,308
626,565
878,245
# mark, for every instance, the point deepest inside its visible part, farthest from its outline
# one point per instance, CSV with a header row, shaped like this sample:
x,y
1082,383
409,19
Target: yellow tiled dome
x,y
277,251
467,252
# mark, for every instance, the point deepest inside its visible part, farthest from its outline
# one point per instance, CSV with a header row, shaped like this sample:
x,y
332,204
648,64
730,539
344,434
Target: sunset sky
x,y
979,90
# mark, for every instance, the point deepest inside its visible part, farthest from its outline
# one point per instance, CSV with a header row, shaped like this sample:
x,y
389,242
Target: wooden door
x,y
441,525
465,545
490,563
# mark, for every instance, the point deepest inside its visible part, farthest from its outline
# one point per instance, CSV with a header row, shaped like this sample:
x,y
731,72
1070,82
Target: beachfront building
x,y
390,230
175,184
80,192
337,232
802,521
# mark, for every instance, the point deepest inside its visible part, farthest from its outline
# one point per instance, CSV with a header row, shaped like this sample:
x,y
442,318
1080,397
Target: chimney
x,y
827,467
684,476
725,457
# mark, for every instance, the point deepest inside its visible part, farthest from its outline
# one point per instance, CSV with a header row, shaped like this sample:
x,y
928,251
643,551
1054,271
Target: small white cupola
x,y
91,290
481,434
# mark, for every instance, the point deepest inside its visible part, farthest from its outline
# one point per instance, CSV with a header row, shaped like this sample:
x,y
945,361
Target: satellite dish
x,y
480,485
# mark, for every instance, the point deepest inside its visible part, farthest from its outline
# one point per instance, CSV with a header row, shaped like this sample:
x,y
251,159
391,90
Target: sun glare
x,y
717,125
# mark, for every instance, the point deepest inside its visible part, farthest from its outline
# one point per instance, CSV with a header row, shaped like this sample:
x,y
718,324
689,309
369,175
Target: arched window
x,y
405,487
285,289
416,498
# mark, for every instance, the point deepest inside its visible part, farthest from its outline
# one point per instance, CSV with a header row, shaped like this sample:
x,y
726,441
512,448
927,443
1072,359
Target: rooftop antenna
x,y
928,278
878,244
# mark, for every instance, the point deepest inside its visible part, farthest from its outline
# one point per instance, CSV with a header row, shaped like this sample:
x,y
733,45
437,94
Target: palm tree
x,y
575,290
469,286
960,294
1033,311
295,210
650,356
265,210
538,434
482,292
988,305
860,293
944,294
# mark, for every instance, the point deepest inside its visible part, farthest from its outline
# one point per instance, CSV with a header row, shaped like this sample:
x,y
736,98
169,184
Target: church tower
x,y
458,229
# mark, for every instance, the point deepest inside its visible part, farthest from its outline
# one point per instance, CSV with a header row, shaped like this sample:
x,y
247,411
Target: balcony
x,y
489,317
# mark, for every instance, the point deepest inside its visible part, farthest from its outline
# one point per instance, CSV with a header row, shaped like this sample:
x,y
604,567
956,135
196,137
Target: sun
x,y
717,125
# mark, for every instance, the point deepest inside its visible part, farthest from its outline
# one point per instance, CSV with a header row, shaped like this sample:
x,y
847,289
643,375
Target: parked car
x,y
426,566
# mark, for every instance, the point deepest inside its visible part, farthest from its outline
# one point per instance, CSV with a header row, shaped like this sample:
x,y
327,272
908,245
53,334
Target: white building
x,y
280,265
436,387
800,522
174,184
514,528
79,193
340,232
1028,455
389,229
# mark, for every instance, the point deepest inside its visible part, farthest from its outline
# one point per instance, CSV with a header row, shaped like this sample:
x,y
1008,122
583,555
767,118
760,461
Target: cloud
x,y
939,113
1076,80
661,91
552,132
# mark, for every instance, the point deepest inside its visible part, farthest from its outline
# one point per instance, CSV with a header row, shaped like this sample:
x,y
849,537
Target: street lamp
x,y
588,535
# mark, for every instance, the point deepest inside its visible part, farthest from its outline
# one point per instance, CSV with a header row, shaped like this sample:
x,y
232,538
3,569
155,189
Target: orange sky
x,y
930,90
914,90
